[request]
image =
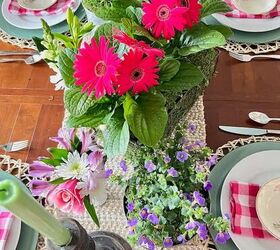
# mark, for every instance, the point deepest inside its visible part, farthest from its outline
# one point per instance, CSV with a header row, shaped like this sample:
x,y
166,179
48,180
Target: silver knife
x,y
249,131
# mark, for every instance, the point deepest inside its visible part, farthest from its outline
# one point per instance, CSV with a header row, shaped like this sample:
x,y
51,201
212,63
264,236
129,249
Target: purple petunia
x,y
150,166
167,159
123,166
132,222
144,213
198,198
191,225
146,242
181,238
202,231
168,242
108,173
130,207
192,127
207,185
182,156
153,219
222,237
172,172
212,161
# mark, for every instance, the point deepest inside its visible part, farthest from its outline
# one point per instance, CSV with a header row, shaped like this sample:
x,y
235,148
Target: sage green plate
x,y
219,173
249,37
28,34
28,237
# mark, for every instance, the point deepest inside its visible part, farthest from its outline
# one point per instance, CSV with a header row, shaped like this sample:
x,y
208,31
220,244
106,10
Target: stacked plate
x,y
254,163
28,26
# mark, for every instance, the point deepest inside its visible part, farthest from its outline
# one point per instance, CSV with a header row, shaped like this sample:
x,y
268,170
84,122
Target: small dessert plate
x,y
255,7
268,207
36,4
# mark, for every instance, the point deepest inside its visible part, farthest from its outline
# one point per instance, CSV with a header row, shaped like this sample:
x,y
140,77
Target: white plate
x,y
249,25
257,168
36,5
14,234
255,7
32,22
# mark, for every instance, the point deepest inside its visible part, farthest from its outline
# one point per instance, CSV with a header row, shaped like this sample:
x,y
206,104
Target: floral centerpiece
x,y
166,201
73,178
141,70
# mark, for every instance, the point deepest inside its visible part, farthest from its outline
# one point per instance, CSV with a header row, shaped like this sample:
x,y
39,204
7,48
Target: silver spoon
x,y
261,118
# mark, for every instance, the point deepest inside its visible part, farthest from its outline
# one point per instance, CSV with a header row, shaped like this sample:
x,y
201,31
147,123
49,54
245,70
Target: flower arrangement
x,y
166,198
124,76
73,178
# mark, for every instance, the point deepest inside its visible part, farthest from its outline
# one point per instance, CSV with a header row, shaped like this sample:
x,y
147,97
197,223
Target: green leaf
x,y
52,162
91,210
135,13
78,103
65,65
214,6
225,31
147,117
105,29
116,135
188,77
58,181
58,153
168,69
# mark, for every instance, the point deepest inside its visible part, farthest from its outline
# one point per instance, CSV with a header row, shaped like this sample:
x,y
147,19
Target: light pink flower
x,y
64,138
40,169
66,197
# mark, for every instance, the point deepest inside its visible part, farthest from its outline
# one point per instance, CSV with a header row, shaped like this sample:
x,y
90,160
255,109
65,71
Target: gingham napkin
x,y
60,6
6,219
244,219
239,14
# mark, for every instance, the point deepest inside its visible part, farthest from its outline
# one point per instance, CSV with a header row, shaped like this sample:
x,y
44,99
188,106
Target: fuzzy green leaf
x,y
91,210
58,153
168,69
65,65
52,162
214,6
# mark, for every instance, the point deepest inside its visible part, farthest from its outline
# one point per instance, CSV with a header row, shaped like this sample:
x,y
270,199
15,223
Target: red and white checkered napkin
x,y
244,219
6,219
239,14
60,6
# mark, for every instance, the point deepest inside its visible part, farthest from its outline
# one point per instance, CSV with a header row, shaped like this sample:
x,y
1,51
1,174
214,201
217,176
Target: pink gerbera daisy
x,y
163,17
193,12
135,44
137,73
95,68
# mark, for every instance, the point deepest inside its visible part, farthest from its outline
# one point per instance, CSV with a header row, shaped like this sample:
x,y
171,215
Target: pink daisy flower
x,y
137,73
135,44
96,67
163,17
192,14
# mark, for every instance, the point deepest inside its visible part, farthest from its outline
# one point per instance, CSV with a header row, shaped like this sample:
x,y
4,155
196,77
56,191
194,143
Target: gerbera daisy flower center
x,y
163,12
137,74
100,69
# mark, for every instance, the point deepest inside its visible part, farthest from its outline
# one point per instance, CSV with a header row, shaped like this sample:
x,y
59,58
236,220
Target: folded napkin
x,y
6,219
244,219
239,14
60,6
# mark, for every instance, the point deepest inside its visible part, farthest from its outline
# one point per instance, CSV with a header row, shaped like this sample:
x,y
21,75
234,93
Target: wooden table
x,y
31,109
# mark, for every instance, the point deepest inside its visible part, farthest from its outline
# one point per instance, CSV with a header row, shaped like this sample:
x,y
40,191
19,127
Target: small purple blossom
x,y
150,166
182,156
167,159
144,213
123,166
212,160
188,197
200,144
207,185
40,169
153,219
108,173
168,242
172,172
146,242
130,207
222,237
132,222
181,238
131,232
202,231
191,225
198,198
192,127
64,138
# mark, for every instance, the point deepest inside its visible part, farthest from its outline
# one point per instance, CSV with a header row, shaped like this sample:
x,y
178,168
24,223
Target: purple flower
x,y
130,207
39,187
85,135
182,156
212,161
191,225
153,219
96,160
108,173
200,143
150,166
207,185
64,138
199,198
40,169
146,242
202,231
144,213
188,197
168,242
172,172
131,232
123,165
222,237
132,222
167,159
192,127
181,238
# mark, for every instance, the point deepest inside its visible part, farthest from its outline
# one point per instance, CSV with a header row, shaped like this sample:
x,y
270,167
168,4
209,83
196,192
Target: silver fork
x,y
248,58
15,146
29,60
